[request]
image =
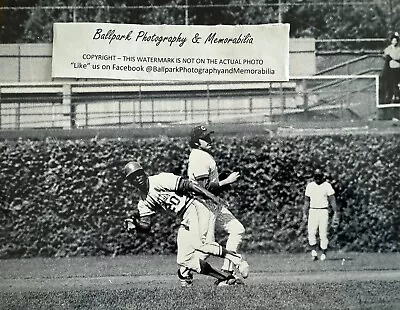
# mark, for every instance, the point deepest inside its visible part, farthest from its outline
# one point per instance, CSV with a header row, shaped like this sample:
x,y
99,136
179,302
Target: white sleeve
x,y
144,208
308,190
198,166
329,190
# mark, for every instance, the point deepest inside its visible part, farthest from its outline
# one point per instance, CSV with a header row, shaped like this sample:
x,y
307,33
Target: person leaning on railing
x,y
391,70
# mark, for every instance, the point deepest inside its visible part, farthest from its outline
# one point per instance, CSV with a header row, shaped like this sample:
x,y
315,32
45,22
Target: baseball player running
x,y
318,196
202,169
173,195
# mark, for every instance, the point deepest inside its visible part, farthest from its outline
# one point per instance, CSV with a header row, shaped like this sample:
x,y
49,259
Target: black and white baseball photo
x,y
187,154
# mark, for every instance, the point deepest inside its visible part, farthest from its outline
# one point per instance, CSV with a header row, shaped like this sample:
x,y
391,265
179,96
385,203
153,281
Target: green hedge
x,y
68,197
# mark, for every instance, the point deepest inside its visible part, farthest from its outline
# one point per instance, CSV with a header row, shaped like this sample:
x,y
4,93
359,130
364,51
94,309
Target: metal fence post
x,y
152,110
0,109
119,114
86,115
305,97
140,106
270,102
185,109
19,63
282,95
18,116
68,102
192,109
208,103
134,112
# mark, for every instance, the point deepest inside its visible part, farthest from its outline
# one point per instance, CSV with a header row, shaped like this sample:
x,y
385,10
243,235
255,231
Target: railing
x,y
355,66
98,104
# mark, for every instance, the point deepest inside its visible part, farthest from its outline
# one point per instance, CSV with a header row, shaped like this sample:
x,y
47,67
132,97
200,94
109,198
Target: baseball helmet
x,y
394,36
200,132
132,167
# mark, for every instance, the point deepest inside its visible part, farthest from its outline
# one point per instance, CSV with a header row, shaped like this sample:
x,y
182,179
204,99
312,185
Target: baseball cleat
x,y
186,281
232,280
244,268
314,255
322,257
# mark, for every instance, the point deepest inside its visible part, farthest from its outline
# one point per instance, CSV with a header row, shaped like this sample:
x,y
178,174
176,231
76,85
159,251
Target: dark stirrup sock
x,y
209,270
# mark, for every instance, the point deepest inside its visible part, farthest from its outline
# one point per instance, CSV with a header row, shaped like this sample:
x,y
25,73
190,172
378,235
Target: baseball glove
x,y
130,224
335,221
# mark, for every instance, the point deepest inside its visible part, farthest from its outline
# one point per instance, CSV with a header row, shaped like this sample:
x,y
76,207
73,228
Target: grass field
x,y
344,281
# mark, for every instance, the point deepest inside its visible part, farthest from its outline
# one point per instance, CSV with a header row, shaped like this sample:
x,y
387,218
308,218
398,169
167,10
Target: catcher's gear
x,y
131,168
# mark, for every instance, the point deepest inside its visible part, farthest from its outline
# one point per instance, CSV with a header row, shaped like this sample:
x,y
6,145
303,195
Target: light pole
x,y
186,12
279,11
390,16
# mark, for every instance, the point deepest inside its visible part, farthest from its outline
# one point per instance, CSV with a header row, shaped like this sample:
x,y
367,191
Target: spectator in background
x,y
391,70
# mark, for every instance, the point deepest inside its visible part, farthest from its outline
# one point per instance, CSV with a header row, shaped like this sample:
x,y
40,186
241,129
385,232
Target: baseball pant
x,y
229,223
318,221
225,220
195,240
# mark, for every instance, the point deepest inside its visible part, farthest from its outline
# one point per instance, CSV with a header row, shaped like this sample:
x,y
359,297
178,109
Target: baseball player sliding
x,y
319,196
173,195
202,169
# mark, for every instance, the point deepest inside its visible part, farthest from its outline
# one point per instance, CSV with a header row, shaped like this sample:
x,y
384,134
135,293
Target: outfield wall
x,y
68,197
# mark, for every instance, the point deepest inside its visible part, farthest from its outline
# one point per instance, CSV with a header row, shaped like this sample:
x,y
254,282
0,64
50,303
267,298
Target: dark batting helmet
x,y
132,167
200,132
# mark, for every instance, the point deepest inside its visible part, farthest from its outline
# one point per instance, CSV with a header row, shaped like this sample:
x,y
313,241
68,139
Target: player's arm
x,y
142,224
205,182
306,207
332,203
215,186
140,221
186,186
230,179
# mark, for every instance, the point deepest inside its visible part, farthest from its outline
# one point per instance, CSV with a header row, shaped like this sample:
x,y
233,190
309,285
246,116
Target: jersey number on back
x,y
172,202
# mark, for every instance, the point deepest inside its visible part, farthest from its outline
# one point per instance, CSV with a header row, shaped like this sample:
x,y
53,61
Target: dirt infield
x,y
344,281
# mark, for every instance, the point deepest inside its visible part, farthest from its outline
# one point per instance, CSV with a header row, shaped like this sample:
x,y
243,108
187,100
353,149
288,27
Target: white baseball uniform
x,y
318,216
163,197
202,165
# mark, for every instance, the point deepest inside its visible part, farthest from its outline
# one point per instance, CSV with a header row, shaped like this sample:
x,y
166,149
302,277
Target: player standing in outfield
x,y
319,196
173,195
202,169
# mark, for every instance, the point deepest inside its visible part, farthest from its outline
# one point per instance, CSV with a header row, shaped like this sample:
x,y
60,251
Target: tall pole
x,y
186,12
279,11
74,11
390,16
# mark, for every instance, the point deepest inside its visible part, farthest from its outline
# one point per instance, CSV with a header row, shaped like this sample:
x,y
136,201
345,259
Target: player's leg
x,y
229,223
223,279
198,209
184,258
188,239
312,227
323,232
206,228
